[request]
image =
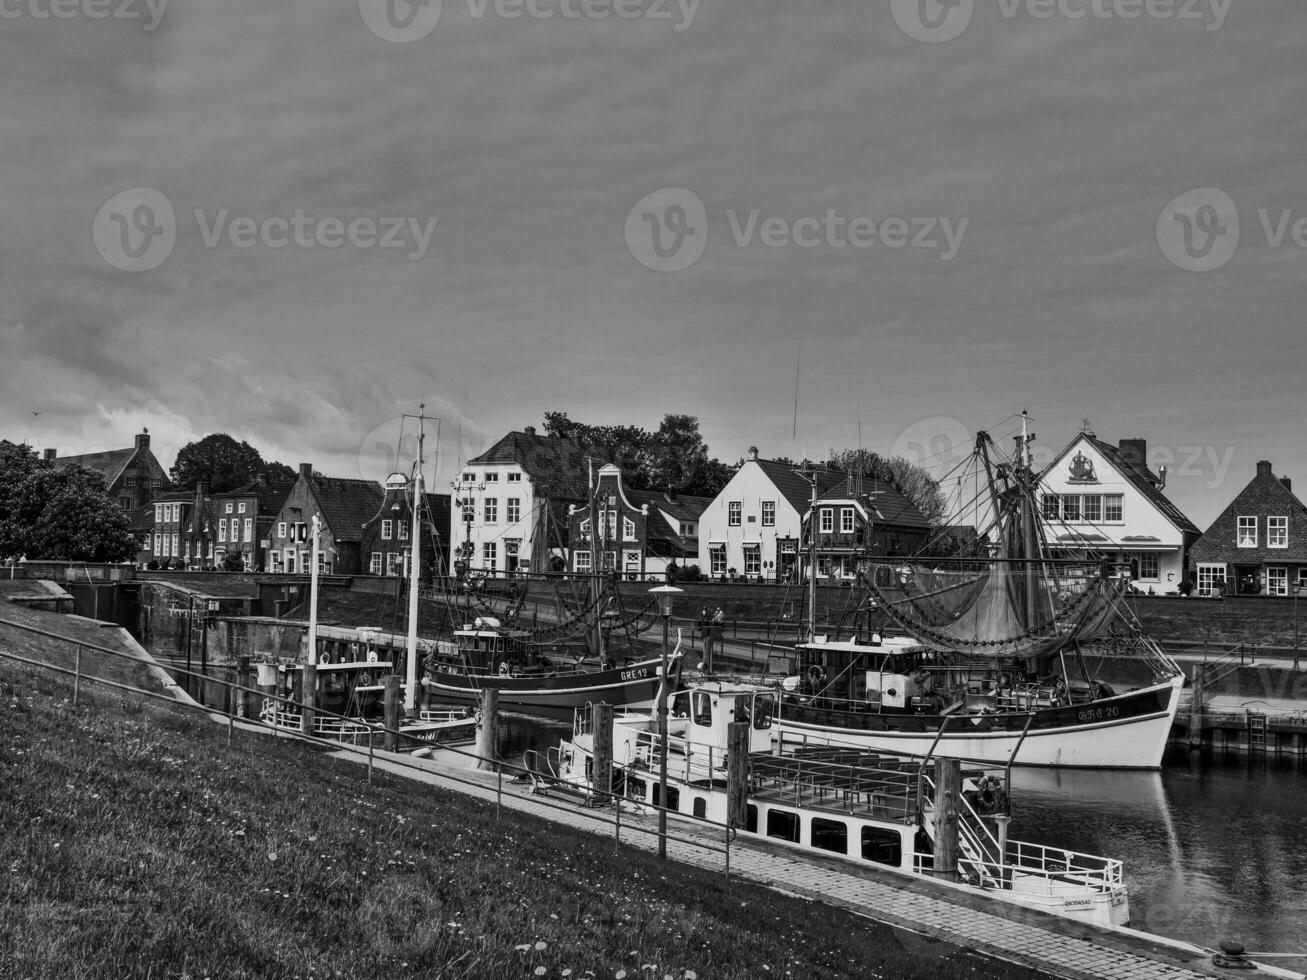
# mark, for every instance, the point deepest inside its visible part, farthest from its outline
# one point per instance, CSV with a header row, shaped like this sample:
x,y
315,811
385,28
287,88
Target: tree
x,y
223,463
58,514
233,561
905,477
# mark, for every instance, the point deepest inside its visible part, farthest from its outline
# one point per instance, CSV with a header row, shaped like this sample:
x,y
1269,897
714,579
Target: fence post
x,y
499,793
77,674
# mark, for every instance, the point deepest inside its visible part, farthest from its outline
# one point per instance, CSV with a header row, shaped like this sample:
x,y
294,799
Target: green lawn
x,y
134,842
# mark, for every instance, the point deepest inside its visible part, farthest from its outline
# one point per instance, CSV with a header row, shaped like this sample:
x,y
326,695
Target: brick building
x,y
862,518
1258,544
390,534
244,521
133,476
345,507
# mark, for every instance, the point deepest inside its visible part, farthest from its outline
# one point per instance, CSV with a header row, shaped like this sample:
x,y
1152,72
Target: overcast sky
x,y
1034,157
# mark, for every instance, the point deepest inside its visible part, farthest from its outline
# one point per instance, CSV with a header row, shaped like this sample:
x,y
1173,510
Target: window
x,y
469,509
222,531
768,513
846,520
492,477
175,539
1112,507
158,514
490,554
764,709
687,529
827,520
734,509
608,557
673,797
469,477
227,509
753,559
281,529
210,550
717,559
1277,580
491,510
1208,577
403,530
240,508
514,477
157,543
1247,533
249,529
1071,507
783,825
129,483
392,563
1277,532
1092,507
585,526
701,708
882,846
323,567
631,561
513,509
830,835
583,561
374,565
386,528
1149,567
628,529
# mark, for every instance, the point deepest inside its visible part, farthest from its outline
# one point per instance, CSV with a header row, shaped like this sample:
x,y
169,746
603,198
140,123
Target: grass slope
x,y
135,843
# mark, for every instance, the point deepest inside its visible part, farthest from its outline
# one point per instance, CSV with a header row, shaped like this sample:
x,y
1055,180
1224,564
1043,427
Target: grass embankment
x,y
136,843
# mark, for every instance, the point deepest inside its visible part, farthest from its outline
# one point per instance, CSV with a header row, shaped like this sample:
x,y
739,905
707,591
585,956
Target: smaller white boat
x,y
873,809
350,699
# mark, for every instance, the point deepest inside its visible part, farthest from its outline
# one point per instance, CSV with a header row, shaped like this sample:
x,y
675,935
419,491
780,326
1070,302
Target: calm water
x,y
1213,849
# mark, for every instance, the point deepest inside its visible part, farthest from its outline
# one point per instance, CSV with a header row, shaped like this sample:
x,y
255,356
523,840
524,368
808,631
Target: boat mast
x,y
414,570
811,474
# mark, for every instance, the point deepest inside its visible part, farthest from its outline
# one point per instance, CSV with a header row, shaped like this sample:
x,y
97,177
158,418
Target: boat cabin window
x,y
680,707
700,807
673,797
882,846
635,788
702,708
830,835
764,707
751,818
783,824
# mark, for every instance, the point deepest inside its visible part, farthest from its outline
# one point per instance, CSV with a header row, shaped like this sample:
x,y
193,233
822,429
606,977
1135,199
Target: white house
x,y
754,525
1103,499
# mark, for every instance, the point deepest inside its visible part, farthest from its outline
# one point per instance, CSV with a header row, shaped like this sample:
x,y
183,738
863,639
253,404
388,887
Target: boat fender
x,y
365,679
503,669
816,675
372,656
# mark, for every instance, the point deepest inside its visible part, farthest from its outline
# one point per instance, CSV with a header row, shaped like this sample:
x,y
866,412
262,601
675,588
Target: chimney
x,y
1135,452
306,471
51,455
753,453
530,430
1264,467
143,440
1288,484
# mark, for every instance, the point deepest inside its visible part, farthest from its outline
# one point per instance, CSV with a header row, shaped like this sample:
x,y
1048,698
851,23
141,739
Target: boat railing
x,y
324,726
887,791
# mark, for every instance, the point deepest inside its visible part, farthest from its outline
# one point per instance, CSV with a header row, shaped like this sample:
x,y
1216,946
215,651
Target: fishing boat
x,y
529,679
987,658
872,809
349,705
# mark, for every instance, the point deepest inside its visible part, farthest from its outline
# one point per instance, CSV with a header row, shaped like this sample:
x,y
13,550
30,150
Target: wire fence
x,y
591,805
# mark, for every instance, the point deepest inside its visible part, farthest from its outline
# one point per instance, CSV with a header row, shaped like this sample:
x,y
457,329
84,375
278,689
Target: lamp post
x,y
1297,591
666,595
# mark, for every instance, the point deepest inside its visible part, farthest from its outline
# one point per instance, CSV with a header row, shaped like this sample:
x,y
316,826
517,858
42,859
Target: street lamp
x,y
665,594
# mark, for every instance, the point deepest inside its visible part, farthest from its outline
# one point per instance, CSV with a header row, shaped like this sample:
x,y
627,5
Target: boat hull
x,y
1127,731
635,685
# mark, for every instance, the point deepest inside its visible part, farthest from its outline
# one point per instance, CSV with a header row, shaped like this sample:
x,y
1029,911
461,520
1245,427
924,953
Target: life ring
x,y
816,676
365,679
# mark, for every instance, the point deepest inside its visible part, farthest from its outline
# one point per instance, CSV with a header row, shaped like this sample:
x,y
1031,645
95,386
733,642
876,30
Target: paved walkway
x,y
923,909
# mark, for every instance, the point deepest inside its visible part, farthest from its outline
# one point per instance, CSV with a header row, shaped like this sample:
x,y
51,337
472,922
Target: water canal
x,y
1214,846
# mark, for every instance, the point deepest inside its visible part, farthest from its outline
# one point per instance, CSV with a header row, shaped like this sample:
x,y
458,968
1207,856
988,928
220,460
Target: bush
x,y
690,573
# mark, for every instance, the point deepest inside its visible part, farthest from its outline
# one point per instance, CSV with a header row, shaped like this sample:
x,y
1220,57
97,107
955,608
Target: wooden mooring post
x,y
485,748
392,705
308,697
601,726
737,773
948,791
1196,708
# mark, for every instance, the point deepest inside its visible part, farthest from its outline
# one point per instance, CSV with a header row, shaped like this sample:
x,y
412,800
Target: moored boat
x,y
874,810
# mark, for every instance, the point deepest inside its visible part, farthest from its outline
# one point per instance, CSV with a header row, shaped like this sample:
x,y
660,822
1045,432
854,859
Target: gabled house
x,y
640,532
344,507
862,518
510,508
390,534
1103,501
753,527
1258,544
244,521
133,476
184,529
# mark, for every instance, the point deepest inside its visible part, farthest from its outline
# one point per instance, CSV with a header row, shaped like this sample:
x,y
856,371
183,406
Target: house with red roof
x,y
345,508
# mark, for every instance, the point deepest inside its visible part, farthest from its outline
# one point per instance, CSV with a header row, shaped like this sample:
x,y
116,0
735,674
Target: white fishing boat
x,y
874,810
990,663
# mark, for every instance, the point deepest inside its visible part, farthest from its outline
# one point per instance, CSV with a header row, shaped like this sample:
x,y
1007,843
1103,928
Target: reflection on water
x,y
1211,851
